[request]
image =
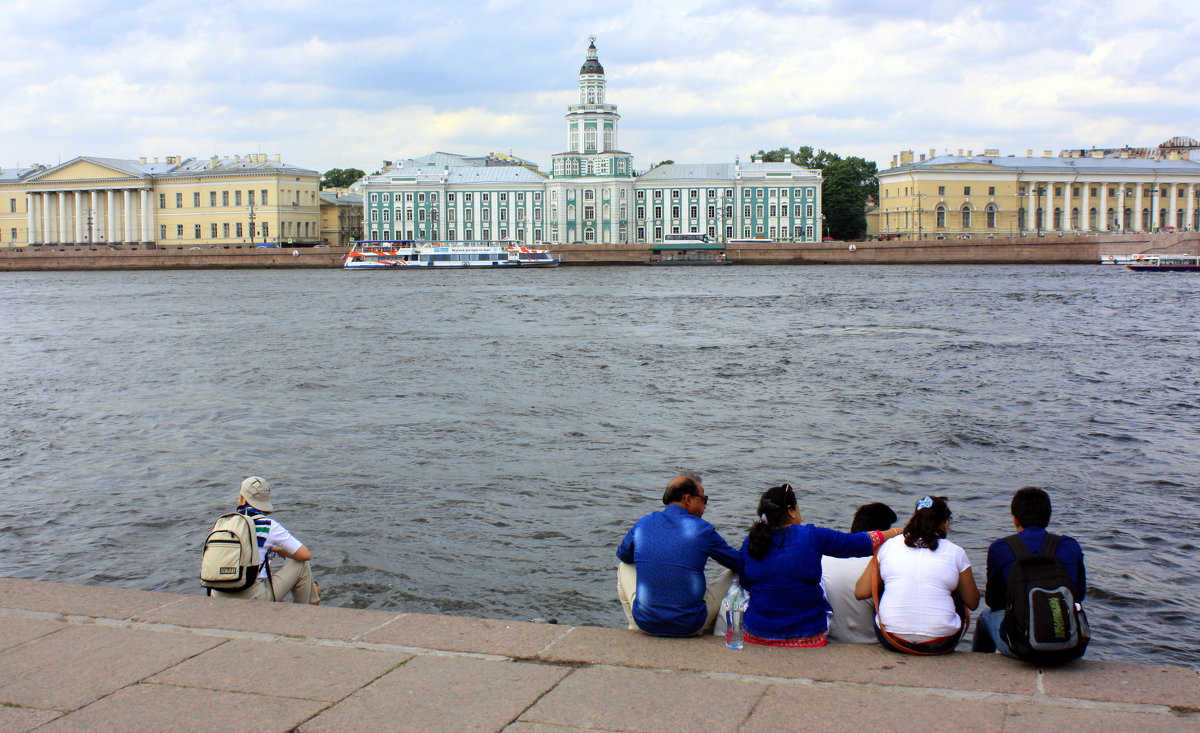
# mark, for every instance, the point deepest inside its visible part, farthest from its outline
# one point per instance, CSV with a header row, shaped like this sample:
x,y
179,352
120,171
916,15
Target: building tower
x,y
592,130
591,183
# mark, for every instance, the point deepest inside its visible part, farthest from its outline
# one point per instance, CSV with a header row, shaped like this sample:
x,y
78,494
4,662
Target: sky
x,y
350,84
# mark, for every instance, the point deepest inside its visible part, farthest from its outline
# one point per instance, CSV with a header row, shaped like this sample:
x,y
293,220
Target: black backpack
x,y
1044,622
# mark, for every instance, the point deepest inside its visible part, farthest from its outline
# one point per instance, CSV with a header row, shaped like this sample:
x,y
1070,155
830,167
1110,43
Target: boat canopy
x,y
676,246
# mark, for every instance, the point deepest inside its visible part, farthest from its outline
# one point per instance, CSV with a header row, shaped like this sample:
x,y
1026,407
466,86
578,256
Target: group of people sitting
x,y
808,585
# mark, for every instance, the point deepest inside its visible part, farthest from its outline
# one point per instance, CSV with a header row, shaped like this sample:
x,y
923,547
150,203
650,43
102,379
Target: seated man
x,y
660,580
853,620
295,575
1030,515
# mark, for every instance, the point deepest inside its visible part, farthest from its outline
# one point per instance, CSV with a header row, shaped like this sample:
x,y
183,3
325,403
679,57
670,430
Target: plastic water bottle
x,y
731,607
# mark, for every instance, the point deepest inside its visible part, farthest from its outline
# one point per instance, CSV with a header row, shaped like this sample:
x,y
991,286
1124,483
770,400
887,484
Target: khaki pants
x,y
627,591
292,577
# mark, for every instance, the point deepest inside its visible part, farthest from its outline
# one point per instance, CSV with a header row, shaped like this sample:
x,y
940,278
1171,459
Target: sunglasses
x,y
701,498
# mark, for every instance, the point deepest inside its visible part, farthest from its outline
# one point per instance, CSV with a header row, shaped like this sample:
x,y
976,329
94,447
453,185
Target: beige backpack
x,y
230,559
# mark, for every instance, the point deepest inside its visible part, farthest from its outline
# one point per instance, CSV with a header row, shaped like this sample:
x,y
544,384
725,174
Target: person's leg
x,y
626,590
713,595
256,592
295,578
988,638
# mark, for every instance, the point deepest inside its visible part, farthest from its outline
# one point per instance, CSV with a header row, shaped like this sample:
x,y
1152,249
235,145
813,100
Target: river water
x,y
477,443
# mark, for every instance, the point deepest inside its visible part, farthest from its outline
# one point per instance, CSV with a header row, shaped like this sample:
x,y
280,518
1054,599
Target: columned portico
x,y
112,215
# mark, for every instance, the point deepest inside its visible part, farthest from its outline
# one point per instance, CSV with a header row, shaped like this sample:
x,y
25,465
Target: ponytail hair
x,y
772,516
928,522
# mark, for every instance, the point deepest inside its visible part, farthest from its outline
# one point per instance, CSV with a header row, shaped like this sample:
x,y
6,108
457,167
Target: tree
x,y
847,186
844,201
662,162
341,177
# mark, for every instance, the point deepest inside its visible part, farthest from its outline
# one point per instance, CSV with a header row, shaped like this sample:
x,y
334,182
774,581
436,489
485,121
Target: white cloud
x,y
703,80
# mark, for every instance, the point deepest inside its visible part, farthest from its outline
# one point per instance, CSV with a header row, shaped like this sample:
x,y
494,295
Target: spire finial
x,y
592,40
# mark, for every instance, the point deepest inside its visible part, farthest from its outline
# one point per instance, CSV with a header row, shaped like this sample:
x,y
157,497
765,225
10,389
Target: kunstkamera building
x,y
592,193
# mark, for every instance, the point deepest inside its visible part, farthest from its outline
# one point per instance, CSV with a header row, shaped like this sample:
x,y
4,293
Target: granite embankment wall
x,y
1010,250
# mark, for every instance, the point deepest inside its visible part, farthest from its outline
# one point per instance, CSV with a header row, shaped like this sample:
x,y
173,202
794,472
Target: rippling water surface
x,y
477,443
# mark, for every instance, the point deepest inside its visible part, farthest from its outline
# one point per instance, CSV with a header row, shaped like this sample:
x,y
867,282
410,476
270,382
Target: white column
x,y
1121,207
1102,214
112,216
1030,207
1048,215
78,217
1138,224
31,218
1085,219
128,198
1067,225
1171,218
47,230
1191,206
63,233
146,216
93,221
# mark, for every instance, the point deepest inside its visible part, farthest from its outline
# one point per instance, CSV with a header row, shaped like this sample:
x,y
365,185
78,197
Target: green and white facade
x,y
592,194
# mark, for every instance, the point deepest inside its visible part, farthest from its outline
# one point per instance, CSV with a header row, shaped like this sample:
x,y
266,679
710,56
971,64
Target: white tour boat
x,y
383,254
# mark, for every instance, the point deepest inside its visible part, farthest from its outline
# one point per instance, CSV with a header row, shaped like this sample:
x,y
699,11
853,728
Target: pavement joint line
x,y
243,692
517,718
944,692
165,605
552,642
397,617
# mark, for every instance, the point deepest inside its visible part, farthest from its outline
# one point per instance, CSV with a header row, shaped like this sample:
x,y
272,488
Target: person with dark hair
x,y
660,579
853,619
927,582
1030,509
780,565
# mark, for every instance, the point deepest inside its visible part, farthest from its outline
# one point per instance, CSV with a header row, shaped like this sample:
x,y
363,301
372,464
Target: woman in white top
x,y
928,582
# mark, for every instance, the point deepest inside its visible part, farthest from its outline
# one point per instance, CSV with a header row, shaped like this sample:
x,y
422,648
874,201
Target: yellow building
x,y
967,196
341,217
179,202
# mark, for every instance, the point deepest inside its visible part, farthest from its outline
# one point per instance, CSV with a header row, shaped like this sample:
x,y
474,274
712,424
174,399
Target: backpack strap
x,y
1017,545
1050,544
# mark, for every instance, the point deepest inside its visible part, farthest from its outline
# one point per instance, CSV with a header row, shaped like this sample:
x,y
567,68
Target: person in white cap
x,y
295,575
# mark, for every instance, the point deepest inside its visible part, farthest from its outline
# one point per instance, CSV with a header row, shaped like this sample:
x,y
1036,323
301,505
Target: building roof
x,y
494,174
1051,164
342,199
686,171
592,65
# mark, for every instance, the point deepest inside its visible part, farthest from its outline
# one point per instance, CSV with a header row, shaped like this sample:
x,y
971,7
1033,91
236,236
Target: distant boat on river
x,y
1167,263
400,255
688,249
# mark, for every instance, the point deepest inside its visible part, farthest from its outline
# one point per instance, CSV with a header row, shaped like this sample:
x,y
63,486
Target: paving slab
x,y
1122,682
79,600
547,728
835,708
452,694
1041,718
516,639
16,630
146,708
867,663
282,668
79,664
285,619
650,701
20,720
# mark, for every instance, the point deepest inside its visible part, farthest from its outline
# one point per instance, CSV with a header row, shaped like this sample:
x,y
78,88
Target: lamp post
x,y
252,221
1037,213
89,213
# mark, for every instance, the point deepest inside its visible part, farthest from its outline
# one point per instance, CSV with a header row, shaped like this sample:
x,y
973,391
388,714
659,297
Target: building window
x,y
179,231
266,229
212,198
196,199
966,190
641,195
674,212
250,197
966,217
657,212
213,231
991,190
941,190
196,231
238,228
179,200
162,201
262,200
941,217
225,198
990,213
162,231
237,198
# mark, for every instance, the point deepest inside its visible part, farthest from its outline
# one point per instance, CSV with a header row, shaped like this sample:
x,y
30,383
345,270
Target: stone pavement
x,y
84,658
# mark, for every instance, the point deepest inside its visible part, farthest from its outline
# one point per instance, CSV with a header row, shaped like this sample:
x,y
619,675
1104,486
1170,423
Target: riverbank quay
x,y
1045,250
76,658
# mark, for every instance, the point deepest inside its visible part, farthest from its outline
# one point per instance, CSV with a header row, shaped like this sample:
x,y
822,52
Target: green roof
x,y
686,246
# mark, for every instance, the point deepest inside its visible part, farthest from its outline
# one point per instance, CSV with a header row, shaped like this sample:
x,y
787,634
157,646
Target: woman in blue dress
x,y
780,565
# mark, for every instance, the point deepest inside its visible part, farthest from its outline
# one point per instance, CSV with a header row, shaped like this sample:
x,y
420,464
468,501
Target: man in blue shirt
x,y
660,580
1030,515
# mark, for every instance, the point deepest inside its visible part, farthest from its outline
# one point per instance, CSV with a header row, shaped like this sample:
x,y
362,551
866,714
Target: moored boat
x,y
688,249
394,254
1167,263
